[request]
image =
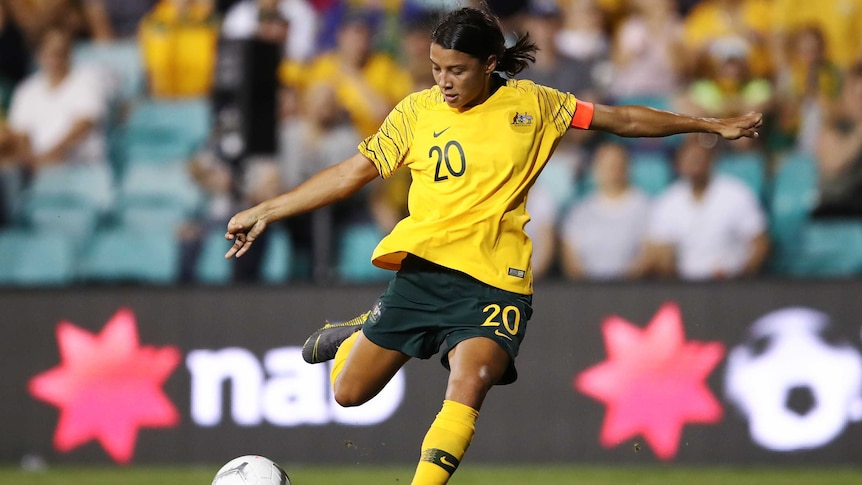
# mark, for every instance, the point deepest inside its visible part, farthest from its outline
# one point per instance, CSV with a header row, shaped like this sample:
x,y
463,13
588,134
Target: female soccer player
x,y
474,144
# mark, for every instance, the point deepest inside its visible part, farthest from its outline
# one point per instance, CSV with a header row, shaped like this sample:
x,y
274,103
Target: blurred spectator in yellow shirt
x,y
368,84
178,41
714,20
840,21
808,84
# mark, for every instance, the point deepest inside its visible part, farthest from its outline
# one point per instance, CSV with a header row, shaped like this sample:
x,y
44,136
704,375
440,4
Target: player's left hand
x,y
740,126
243,229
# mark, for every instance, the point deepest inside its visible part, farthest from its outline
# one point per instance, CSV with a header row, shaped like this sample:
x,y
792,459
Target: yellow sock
x,y
341,357
445,443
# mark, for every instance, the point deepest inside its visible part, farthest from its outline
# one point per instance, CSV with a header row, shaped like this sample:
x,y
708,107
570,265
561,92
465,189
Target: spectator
x,y
225,189
317,138
839,20
730,89
415,46
839,153
603,236
807,87
746,21
289,22
648,51
111,20
214,177
36,18
320,137
706,226
178,42
543,22
571,74
55,113
368,84
583,35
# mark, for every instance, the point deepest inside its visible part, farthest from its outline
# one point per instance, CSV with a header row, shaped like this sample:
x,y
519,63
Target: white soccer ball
x,y
251,470
797,387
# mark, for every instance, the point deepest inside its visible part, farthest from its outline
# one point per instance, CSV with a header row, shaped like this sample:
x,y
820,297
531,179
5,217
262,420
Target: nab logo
x,y
107,386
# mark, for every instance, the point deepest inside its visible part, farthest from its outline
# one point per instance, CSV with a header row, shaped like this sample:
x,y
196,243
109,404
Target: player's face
x,y
463,79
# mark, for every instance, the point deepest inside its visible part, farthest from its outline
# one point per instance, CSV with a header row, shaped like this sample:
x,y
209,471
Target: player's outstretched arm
x,y
641,121
327,186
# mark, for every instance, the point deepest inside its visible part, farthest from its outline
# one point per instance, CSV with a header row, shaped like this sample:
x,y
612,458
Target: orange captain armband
x,y
583,115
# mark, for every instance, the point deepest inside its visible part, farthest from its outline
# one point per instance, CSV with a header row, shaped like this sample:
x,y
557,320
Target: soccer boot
x,y
323,344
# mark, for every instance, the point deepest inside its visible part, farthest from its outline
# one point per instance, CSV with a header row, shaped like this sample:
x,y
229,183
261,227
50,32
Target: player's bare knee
x,y
476,382
349,396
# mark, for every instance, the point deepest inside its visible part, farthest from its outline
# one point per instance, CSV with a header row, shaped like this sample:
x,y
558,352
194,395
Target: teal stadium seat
x,y
125,255
559,180
747,167
354,248
792,197
278,260
213,269
157,197
11,184
71,199
651,172
36,258
166,131
828,249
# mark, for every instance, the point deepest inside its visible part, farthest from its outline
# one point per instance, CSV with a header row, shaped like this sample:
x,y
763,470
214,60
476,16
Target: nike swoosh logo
x,y
444,460
438,133
501,334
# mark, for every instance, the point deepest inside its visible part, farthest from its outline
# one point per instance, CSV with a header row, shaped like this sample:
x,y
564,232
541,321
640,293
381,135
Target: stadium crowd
x,y
130,131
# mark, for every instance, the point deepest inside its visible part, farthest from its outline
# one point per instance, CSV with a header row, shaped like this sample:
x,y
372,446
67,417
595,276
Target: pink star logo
x,y
107,386
653,381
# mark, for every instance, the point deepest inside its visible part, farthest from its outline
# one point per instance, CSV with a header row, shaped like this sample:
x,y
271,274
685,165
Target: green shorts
x,y
427,305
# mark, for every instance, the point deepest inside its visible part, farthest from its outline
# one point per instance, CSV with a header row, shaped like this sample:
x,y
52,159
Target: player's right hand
x,y
243,229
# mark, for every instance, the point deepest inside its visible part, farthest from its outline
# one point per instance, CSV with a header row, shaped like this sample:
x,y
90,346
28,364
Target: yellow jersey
x,y
471,173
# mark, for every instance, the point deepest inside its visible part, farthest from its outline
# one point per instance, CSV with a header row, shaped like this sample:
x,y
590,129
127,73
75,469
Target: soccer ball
x,y
797,386
251,470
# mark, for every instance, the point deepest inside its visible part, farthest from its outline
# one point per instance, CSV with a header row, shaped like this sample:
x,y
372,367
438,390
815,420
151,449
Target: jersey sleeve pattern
x,y
389,145
558,105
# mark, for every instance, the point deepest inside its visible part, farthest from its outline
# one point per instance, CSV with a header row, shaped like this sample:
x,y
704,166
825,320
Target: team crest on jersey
x,y
522,119
375,312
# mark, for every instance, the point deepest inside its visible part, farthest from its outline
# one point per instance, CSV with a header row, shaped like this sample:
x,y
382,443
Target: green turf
x,y
469,475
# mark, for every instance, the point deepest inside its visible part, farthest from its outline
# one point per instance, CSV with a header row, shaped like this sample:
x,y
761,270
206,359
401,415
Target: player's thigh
x,y
476,364
367,370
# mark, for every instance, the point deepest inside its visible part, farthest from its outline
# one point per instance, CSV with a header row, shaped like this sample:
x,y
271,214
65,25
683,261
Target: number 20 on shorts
x,y
509,318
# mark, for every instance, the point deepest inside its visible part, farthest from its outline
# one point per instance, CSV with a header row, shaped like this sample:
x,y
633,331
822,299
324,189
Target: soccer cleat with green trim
x,y
323,344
